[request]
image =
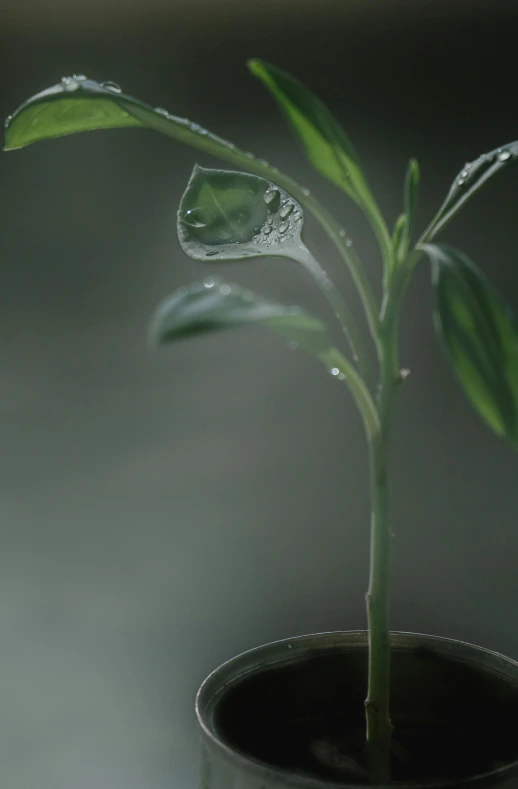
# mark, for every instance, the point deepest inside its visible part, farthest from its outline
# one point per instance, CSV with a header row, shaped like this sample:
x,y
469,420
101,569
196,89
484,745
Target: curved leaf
x,y
215,305
469,180
78,104
480,336
324,141
227,215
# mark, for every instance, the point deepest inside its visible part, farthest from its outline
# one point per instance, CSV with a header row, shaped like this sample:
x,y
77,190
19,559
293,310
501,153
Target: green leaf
x,y
324,141
400,235
411,187
226,215
77,104
480,336
469,180
215,305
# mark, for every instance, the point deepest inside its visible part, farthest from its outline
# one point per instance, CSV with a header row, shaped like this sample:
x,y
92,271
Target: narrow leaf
x,y
411,187
480,337
469,180
226,215
400,235
324,141
215,305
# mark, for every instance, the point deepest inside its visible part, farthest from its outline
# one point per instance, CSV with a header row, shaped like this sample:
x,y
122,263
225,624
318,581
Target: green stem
x,y
377,704
341,310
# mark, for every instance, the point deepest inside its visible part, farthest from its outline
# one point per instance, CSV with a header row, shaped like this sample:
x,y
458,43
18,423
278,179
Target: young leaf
x,y
411,186
400,235
469,180
324,141
214,305
480,337
226,215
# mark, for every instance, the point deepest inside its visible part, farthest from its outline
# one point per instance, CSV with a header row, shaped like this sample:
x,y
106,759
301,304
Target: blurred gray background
x,y
161,513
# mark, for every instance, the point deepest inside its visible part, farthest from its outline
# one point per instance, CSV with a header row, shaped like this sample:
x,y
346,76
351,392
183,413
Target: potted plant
x,y
341,708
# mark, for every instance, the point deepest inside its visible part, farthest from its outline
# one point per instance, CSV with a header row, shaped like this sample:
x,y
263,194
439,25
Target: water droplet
x,y
8,121
162,111
267,230
348,243
305,191
503,156
286,210
195,217
460,182
69,83
209,283
464,174
264,162
342,233
290,646
225,290
211,252
79,77
334,371
284,227
109,85
272,198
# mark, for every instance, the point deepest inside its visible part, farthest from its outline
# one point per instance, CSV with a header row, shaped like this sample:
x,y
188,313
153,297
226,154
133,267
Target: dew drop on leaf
x,y
109,85
209,283
225,290
503,156
286,210
272,198
284,227
195,217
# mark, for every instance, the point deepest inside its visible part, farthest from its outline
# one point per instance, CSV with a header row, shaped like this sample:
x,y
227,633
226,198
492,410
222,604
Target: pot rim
x,y
396,636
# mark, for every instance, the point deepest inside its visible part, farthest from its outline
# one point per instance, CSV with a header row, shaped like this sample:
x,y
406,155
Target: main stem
x,y
377,704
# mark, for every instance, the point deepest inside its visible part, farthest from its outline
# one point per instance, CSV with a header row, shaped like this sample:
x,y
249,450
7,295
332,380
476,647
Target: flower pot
x,y
290,714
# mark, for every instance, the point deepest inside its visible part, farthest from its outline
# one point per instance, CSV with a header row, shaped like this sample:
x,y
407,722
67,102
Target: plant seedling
x,y
227,215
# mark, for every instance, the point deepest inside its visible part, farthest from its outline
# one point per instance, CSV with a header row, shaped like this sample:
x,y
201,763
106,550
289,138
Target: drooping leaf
x,y
480,335
226,215
324,141
469,180
215,305
78,104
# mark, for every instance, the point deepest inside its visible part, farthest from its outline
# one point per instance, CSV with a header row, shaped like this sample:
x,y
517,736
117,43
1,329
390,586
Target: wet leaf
x,y
480,336
78,104
469,180
227,215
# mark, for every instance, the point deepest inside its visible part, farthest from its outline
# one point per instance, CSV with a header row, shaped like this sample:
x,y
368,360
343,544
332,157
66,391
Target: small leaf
x,y
324,141
411,187
399,235
480,336
469,180
227,215
215,305
78,104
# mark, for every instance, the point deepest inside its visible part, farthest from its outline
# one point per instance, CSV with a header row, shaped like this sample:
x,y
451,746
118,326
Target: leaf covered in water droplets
x,y
214,305
469,180
227,215
480,337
